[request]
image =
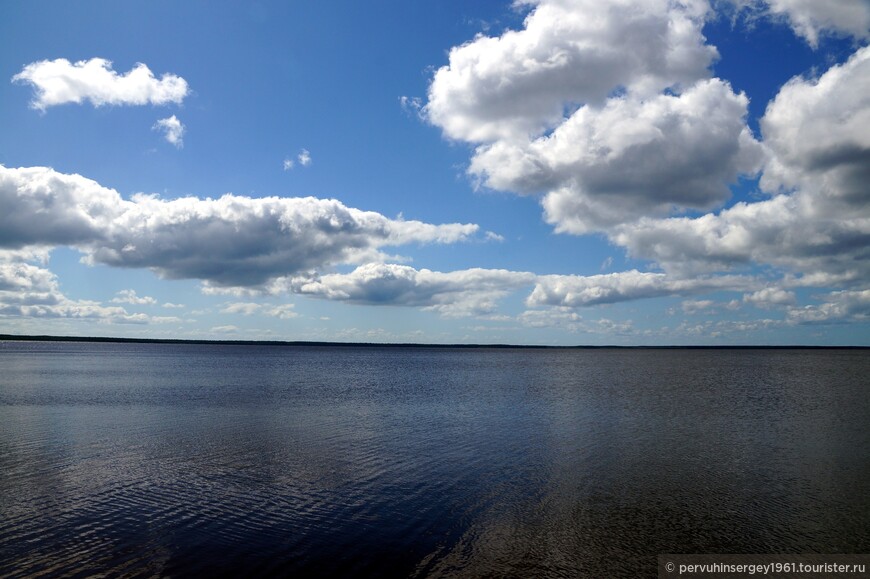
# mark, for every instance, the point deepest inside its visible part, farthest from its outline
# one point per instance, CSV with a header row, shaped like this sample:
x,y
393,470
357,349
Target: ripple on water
x,y
157,460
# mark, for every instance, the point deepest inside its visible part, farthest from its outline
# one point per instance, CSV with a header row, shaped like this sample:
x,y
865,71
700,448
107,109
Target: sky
x,y
553,172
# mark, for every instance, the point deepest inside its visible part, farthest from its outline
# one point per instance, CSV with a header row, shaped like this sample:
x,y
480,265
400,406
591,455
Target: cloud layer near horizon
x,y
29,290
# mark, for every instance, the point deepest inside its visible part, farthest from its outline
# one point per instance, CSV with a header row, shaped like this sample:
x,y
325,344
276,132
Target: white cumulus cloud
x,y
568,53
231,241
129,296
630,158
770,297
173,130
607,111
817,224
29,290
57,82
841,306
604,109
817,130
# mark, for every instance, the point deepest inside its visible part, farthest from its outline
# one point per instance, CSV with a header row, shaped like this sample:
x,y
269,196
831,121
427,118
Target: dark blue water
x,y
188,460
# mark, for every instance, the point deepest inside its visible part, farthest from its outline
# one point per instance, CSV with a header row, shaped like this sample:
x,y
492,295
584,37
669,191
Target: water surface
x,y
183,460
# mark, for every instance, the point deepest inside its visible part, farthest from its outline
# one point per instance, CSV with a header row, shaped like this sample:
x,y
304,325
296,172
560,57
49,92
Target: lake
x,y
219,460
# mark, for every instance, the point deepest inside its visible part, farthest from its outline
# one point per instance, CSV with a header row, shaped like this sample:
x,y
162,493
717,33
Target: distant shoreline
x,y
107,339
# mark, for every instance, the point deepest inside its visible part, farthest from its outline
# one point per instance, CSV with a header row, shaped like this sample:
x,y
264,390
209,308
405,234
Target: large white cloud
x,y
605,109
230,241
241,241
39,206
569,53
818,223
786,231
57,82
818,132
630,158
619,151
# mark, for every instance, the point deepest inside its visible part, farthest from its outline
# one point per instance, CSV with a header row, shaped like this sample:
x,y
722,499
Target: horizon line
x,y
231,342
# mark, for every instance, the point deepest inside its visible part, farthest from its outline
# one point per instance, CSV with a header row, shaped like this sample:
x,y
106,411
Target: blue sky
x,y
543,172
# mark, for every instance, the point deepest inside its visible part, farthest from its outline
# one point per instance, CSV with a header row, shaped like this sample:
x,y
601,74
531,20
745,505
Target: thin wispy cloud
x,y
304,157
172,129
